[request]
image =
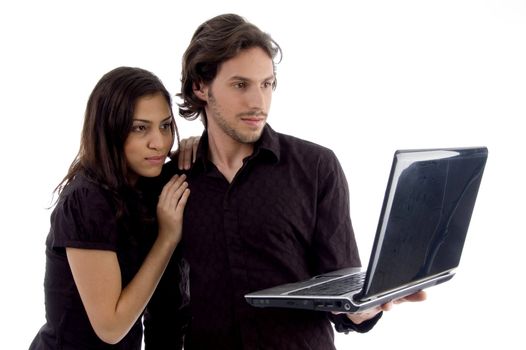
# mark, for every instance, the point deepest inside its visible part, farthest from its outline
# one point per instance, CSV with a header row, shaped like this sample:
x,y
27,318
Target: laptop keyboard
x,y
335,287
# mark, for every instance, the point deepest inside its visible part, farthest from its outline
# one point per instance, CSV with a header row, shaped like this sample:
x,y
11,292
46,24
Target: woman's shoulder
x,y
84,213
82,188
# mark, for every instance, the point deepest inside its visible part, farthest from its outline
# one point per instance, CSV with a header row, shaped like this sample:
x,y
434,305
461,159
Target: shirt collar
x,y
267,146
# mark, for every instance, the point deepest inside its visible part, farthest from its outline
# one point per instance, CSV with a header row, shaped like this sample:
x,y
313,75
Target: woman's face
x,y
150,138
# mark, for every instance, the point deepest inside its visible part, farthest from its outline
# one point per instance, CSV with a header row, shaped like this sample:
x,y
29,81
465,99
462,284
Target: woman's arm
x,y
112,311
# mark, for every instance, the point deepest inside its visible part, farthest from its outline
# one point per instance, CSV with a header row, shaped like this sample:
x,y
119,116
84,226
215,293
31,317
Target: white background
x,y
363,79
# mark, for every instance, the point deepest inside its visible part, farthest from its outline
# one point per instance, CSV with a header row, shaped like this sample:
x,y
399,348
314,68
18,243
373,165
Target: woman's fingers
x,y
183,146
174,196
172,185
179,209
195,144
170,208
187,152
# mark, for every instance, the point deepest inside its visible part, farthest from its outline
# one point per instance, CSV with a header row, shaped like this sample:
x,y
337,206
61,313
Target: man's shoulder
x,y
155,184
293,144
170,169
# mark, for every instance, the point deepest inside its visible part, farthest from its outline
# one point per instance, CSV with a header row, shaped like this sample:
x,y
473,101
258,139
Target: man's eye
x,y
241,85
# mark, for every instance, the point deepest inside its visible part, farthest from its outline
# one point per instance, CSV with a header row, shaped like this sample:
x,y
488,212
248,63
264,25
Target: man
x,y
266,208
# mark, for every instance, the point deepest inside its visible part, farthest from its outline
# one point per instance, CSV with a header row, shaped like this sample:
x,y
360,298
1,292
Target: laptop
x,y
421,232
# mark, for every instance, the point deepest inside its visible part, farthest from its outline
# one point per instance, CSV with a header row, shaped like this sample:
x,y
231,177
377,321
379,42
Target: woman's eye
x,y
139,128
166,126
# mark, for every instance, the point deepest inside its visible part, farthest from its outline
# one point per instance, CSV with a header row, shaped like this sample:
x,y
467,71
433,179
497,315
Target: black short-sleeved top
x,y
284,217
86,217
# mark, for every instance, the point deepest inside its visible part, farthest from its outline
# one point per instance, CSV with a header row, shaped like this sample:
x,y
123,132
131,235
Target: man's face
x,y
238,99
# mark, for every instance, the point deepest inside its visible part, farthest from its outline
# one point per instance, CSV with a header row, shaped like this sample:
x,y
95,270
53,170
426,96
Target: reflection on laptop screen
x,y
423,229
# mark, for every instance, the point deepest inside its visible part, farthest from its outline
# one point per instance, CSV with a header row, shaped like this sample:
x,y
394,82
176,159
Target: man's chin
x,y
250,137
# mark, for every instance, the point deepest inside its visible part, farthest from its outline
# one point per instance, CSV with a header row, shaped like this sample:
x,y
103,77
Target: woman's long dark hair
x,y
107,122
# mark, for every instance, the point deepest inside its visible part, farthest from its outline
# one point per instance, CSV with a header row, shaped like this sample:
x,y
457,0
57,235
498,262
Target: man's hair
x,y
214,42
108,121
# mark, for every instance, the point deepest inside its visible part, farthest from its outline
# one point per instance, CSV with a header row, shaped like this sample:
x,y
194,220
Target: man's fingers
x,y
419,296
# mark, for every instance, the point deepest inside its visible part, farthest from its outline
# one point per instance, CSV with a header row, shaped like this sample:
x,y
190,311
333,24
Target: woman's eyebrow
x,y
149,121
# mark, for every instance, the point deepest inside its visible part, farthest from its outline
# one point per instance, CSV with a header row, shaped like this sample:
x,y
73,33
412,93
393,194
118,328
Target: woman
x,y
109,243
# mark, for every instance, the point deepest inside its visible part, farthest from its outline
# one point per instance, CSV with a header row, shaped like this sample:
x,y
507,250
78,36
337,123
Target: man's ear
x,y
200,92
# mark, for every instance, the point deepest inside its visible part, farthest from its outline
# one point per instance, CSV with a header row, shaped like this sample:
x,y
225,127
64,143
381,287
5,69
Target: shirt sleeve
x,y
84,218
334,244
343,324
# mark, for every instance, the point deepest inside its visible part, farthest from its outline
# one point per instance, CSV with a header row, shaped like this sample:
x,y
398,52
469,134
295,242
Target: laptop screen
x,y
425,216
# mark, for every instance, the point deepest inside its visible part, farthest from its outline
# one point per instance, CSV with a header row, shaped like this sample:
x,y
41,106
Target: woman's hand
x,y
170,209
187,152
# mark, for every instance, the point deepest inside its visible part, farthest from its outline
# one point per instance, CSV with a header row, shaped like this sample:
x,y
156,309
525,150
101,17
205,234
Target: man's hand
x,y
360,317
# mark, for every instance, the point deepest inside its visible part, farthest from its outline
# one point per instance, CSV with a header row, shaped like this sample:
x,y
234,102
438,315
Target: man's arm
x,y
336,245
333,245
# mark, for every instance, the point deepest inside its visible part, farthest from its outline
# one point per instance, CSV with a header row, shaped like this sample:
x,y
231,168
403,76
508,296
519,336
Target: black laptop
x,y
423,224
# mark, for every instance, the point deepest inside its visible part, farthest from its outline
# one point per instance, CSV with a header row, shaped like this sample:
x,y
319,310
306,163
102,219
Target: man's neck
x,y
227,154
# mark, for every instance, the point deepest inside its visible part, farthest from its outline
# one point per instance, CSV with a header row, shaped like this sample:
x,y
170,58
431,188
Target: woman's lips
x,y
156,160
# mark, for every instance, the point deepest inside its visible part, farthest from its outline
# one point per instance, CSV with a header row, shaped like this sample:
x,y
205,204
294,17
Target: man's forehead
x,y
250,64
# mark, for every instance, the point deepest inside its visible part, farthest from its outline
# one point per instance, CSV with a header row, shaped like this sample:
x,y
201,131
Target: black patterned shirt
x,y
284,217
